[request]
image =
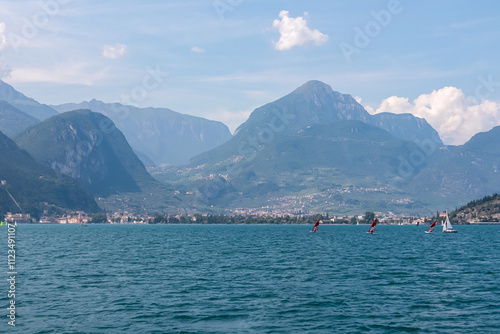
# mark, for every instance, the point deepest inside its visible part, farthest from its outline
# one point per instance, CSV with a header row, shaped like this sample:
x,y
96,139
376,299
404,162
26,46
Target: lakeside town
x,y
80,217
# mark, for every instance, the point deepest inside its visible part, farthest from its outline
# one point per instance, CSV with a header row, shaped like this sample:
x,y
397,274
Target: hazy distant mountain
x,y
462,173
88,147
13,120
160,136
36,187
406,126
24,103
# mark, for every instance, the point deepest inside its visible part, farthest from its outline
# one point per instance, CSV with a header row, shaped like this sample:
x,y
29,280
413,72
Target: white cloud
x,y
78,74
455,117
197,49
3,38
114,51
367,108
233,119
294,32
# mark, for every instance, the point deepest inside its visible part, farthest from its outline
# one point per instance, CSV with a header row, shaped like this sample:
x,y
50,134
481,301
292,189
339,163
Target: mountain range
x,y
457,174
159,136
316,150
313,150
313,103
24,103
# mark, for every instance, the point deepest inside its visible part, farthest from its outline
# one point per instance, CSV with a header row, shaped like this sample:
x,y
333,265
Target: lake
x,y
252,279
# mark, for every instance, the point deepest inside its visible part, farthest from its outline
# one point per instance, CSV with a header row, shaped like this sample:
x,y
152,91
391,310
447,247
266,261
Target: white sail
x,y
447,225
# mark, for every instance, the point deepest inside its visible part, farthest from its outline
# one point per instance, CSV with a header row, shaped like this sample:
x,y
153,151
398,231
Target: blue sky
x,y
220,59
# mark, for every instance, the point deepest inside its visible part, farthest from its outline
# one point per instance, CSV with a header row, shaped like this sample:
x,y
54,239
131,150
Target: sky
x,y
221,59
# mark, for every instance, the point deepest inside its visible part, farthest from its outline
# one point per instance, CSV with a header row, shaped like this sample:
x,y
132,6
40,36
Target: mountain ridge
x,y
14,120
26,104
159,136
313,103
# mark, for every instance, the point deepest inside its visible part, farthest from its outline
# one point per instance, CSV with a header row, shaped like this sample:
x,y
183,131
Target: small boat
x,y
315,227
431,228
372,226
447,228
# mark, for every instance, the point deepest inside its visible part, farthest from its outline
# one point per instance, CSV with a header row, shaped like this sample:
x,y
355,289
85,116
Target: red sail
x,y
316,226
431,228
372,227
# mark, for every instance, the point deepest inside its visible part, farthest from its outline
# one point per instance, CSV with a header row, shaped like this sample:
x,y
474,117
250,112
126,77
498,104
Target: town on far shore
x,y
83,218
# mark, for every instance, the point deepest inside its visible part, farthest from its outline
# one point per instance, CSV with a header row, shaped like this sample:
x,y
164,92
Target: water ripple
x,y
255,279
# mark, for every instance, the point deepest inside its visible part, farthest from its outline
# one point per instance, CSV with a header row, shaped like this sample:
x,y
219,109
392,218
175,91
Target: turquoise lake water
x,y
253,279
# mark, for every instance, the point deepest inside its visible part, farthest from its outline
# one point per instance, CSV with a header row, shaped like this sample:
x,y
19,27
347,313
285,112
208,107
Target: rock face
x,y
160,136
406,126
313,103
89,148
36,187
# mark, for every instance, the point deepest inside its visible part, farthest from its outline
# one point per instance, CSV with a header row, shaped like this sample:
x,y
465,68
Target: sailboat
x,y
431,228
447,228
315,227
372,226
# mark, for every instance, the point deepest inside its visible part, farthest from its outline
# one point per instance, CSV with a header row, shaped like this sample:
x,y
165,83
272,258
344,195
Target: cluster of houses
x,y
80,217
74,218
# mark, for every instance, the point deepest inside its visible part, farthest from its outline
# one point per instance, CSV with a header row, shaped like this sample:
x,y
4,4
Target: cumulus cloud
x,y
294,32
454,116
3,38
197,49
114,51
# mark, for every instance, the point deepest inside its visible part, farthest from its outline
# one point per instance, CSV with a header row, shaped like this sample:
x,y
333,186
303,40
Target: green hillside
x,y
340,167
88,147
486,209
36,187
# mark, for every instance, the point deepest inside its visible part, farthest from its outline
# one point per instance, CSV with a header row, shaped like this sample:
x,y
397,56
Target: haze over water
x,y
255,279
